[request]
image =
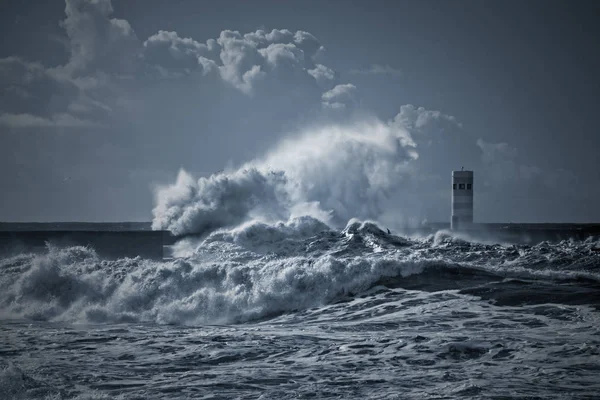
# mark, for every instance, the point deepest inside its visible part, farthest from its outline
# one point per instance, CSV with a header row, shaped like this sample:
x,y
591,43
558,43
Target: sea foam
x,y
258,270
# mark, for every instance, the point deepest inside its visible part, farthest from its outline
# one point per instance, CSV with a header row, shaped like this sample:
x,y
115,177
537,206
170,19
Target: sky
x,y
104,102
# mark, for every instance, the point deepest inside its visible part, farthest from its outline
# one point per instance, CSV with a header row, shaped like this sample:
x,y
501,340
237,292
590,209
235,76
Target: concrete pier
x,y
145,243
529,234
107,244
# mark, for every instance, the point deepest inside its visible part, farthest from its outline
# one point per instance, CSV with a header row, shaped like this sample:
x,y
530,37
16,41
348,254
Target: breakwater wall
x,y
150,244
108,244
514,233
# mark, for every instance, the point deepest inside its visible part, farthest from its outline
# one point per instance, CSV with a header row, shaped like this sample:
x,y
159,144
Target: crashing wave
x,y
332,174
258,270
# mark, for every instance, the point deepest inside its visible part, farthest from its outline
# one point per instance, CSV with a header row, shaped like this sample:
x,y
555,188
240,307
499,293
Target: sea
x,y
297,309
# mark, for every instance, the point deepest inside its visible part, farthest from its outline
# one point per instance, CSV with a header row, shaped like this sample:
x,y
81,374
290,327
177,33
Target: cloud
x,y
341,97
109,67
439,139
182,93
29,87
324,76
419,118
304,41
168,50
164,91
277,61
34,96
308,43
261,38
98,42
376,69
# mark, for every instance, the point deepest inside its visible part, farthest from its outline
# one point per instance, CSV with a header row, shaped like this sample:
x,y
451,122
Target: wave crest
x,y
258,270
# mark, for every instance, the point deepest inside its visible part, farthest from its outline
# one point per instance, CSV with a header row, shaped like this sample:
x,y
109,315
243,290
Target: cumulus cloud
x,y
97,41
261,80
261,38
341,97
168,50
308,43
300,39
83,91
109,64
324,76
241,61
418,118
259,59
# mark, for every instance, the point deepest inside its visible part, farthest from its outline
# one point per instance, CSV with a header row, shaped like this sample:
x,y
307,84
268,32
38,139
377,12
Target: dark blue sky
x,y
88,131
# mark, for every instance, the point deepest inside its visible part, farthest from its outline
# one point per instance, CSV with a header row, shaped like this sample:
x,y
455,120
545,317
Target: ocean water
x,y
301,310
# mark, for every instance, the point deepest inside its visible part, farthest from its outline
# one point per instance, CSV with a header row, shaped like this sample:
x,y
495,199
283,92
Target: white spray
x,y
333,174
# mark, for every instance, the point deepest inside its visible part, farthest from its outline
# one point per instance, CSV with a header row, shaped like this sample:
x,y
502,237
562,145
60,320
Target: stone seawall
x,y
108,244
515,233
150,244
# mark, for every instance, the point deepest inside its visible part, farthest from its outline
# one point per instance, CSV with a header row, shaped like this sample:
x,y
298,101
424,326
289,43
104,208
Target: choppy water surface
x,y
298,310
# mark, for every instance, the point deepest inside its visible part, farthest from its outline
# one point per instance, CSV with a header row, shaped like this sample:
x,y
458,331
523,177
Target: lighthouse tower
x,y
462,200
